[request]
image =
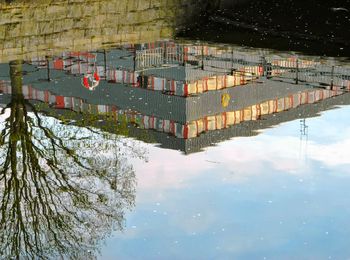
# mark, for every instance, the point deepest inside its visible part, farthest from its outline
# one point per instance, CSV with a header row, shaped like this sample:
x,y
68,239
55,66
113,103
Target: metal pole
x,y
48,68
165,53
297,72
202,57
105,63
332,77
232,57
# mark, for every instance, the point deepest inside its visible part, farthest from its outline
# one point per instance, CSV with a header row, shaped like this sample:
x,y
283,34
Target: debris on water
x,y
212,162
338,9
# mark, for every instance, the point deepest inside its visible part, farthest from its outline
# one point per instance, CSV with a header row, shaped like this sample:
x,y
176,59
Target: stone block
x,y
30,28
46,27
2,32
57,11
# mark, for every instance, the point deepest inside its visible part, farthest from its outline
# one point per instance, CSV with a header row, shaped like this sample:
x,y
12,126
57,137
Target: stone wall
x,y
38,28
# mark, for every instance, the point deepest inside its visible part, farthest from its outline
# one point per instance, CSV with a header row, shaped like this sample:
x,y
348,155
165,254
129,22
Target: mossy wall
x,y
37,28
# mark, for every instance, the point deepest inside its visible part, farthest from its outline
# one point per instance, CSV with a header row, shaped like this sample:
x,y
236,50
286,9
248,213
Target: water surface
x,y
119,142
280,195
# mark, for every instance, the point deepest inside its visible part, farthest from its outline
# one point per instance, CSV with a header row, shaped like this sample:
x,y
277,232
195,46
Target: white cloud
x,y
240,159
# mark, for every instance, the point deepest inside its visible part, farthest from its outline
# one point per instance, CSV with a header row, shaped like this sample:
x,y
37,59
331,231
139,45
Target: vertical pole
x,y
105,63
165,53
48,68
183,55
202,56
332,77
297,72
231,58
264,65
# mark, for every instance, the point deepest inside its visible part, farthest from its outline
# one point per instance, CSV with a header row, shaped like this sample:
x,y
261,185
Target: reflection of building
x,y
185,69
186,137
188,129
170,68
190,95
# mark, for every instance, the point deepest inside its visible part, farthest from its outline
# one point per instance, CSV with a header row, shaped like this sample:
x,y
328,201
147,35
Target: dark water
x,y
113,150
311,26
172,149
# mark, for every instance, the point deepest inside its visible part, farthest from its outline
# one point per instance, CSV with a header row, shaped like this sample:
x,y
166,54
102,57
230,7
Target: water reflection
x,y
67,177
63,188
187,95
82,85
35,28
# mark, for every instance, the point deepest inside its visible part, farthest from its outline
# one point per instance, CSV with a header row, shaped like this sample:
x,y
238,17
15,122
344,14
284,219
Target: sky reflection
x,y
278,195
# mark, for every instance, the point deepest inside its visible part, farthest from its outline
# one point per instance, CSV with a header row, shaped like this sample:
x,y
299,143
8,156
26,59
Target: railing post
x,y
48,68
105,63
297,72
202,56
332,77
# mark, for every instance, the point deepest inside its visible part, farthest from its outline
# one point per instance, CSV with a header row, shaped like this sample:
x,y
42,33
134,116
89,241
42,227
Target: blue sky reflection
x,y
278,195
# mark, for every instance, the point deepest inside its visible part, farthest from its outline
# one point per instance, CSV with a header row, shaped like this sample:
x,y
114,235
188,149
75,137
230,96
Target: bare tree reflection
x,y
63,188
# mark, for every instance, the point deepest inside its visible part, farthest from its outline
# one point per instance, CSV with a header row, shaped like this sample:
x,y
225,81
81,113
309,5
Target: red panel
x,y
58,64
59,101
